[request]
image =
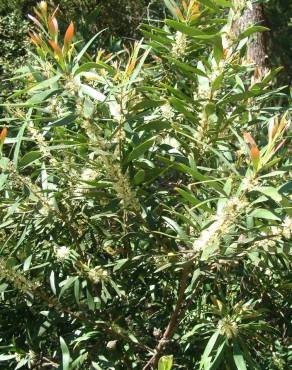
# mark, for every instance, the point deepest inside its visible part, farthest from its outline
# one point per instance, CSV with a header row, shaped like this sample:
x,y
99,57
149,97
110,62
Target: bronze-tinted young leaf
x,y
35,39
56,48
35,21
3,135
255,155
179,13
53,26
248,138
69,36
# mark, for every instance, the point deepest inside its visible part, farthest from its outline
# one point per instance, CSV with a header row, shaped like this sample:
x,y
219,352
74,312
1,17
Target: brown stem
x,y
169,330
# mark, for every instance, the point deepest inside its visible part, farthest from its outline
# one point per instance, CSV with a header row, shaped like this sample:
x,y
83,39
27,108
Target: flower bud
x,y
43,6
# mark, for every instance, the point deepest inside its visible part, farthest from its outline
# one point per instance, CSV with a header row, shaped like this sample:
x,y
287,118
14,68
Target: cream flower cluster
x,y
166,111
222,222
98,274
120,180
62,253
285,229
228,327
180,45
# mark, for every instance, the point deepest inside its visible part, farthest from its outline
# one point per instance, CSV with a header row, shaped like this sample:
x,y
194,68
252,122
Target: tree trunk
x,y
257,45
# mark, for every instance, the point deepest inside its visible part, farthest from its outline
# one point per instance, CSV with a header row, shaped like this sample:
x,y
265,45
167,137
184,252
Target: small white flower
x,y
112,344
97,274
276,230
228,327
72,86
287,227
43,5
88,174
62,253
44,211
248,184
208,235
18,357
32,356
199,134
179,48
233,204
167,111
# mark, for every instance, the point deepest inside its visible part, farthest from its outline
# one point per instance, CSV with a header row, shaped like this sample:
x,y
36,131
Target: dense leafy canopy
x,y
145,200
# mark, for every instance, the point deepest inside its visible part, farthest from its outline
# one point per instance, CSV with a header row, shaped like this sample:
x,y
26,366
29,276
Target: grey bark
x,y
257,46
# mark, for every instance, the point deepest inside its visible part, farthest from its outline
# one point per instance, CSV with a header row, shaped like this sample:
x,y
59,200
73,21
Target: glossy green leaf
x,y
29,158
238,357
190,31
253,29
65,355
270,192
165,363
265,214
139,150
205,360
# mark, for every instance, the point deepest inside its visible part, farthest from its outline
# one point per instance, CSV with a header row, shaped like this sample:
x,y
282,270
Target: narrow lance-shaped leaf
x,y
252,30
65,355
83,51
254,150
3,135
171,6
185,5
179,13
248,138
39,14
68,36
209,347
255,156
238,357
53,26
35,39
273,127
56,48
35,21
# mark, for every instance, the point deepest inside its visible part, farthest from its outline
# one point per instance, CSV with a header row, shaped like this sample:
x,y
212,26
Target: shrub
x,y
145,202
13,47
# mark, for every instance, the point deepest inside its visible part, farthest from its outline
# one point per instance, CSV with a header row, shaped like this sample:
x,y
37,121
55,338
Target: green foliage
x,y
13,45
145,202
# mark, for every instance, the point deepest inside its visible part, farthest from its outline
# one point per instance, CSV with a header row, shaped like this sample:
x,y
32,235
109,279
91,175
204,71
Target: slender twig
x,y
171,326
